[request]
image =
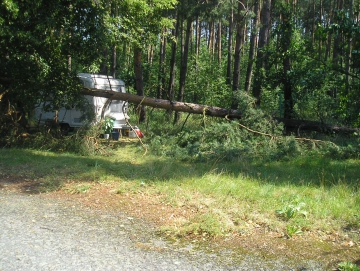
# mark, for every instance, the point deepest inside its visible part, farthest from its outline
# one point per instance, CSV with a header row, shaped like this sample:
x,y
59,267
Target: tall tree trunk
x,y
349,49
329,35
313,23
238,45
286,35
103,65
230,47
162,54
211,44
265,21
113,62
139,84
171,92
337,40
320,39
197,36
184,66
219,47
197,53
150,54
69,63
253,37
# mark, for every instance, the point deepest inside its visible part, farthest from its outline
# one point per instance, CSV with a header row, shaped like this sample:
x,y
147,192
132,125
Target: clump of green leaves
x,y
348,266
108,125
291,210
292,230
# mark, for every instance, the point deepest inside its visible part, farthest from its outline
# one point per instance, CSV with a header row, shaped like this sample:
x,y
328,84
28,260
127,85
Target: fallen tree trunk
x,y
307,125
290,124
164,104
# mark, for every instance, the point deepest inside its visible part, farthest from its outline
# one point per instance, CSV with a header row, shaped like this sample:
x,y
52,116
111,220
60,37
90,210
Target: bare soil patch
x,y
328,247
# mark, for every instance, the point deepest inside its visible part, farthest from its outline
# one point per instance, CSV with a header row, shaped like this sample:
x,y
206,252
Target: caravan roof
x,y
99,81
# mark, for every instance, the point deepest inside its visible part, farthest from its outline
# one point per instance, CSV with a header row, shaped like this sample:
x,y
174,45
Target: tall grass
x,y
228,196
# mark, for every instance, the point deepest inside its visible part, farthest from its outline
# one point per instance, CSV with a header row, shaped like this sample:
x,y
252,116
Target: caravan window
x,y
116,106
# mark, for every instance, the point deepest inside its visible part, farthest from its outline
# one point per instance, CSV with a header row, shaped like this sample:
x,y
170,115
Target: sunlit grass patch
x,y
312,195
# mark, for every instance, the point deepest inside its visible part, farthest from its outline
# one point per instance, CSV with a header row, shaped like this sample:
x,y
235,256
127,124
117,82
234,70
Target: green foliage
x,y
37,39
140,21
343,148
293,230
208,224
45,44
204,138
108,125
348,266
291,210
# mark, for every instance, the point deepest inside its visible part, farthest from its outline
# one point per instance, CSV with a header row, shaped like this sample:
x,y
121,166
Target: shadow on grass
x,y
38,171
309,171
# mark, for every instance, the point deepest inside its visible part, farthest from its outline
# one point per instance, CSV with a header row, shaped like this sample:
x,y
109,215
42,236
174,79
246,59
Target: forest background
x,y
297,59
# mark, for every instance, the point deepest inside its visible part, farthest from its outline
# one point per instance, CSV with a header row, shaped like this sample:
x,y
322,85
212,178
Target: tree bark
x,y
265,20
164,104
219,45
171,92
297,126
139,81
161,77
249,70
337,41
103,65
238,44
184,66
113,62
349,50
230,48
329,35
285,40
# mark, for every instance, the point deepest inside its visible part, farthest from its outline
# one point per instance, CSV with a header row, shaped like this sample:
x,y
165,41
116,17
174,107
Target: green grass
x,y
231,196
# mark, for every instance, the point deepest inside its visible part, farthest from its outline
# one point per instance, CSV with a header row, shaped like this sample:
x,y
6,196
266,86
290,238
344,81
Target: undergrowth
x,y
200,138
84,141
255,136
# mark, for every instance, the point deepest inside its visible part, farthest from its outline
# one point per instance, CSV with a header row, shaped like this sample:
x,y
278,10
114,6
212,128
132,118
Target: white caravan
x,y
70,119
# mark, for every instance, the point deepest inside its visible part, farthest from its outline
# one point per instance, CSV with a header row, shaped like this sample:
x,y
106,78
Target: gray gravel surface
x,y
49,234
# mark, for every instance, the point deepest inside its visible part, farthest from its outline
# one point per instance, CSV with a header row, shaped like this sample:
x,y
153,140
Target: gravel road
x,y
50,234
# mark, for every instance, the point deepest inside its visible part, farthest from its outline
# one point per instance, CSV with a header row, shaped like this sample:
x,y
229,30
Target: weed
x,y
291,210
207,224
348,266
293,230
78,189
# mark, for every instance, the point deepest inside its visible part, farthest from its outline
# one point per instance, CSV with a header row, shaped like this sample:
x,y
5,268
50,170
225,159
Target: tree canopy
x,y
299,59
